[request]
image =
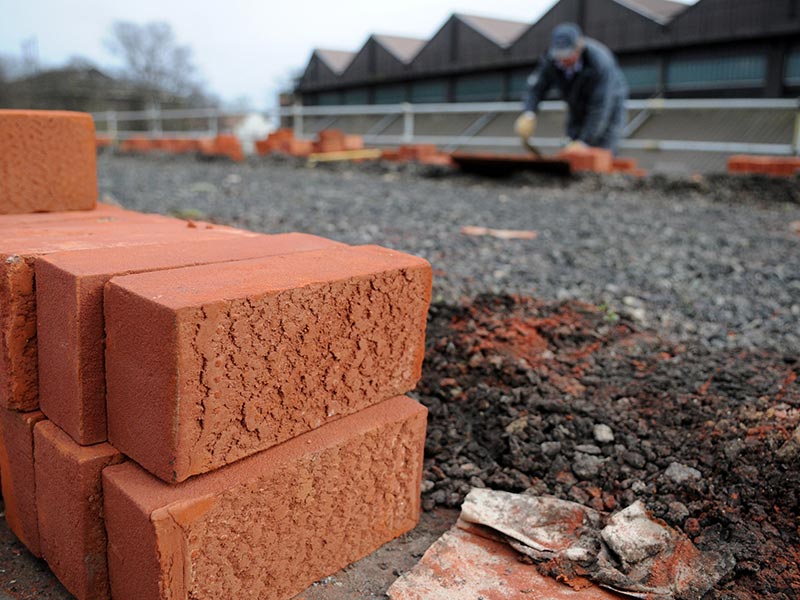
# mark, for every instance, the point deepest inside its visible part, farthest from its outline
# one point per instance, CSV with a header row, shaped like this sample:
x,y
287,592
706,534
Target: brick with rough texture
x,y
48,161
69,502
206,365
70,327
272,524
18,252
19,485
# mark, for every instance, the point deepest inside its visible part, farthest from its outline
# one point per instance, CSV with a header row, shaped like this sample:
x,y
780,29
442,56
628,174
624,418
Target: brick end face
x,y
271,525
48,161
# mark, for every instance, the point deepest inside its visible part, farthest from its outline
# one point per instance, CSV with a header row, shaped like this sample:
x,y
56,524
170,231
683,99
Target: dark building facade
x,y
713,48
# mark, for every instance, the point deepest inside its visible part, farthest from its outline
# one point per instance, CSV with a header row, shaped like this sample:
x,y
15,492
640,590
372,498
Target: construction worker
x,y
591,83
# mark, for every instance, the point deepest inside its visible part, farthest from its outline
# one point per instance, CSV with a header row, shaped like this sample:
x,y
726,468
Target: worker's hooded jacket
x,y
594,93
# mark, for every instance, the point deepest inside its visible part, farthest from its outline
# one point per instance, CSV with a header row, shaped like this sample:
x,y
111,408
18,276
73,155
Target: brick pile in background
x,y
776,166
189,410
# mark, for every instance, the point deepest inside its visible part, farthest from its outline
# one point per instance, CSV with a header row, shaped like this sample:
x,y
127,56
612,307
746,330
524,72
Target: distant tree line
x,y
156,72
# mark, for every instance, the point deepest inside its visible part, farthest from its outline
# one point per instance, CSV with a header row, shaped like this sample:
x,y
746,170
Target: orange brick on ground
x,y
18,252
19,483
597,160
224,145
69,298
136,145
206,365
777,166
69,502
47,161
268,526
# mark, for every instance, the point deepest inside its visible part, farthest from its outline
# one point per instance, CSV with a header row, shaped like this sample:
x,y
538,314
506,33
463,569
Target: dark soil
x,y
516,389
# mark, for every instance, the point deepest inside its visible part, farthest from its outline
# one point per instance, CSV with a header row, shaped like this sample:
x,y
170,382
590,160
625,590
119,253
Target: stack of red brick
x,y
195,411
327,140
223,145
777,166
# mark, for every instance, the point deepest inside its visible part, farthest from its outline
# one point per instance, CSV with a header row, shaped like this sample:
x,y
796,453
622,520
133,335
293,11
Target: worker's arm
x,y
539,83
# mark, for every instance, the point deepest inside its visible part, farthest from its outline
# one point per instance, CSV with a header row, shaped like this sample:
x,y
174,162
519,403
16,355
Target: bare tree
x,y
154,60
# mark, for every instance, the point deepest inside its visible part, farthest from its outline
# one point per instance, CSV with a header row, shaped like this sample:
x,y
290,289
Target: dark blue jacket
x,y
595,94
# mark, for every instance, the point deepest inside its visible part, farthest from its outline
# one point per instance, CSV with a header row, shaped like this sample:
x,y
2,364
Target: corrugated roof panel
x,y
661,11
404,48
337,60
500,31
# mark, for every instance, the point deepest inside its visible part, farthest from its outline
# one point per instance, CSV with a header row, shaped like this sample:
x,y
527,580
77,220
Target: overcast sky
x,y
242,48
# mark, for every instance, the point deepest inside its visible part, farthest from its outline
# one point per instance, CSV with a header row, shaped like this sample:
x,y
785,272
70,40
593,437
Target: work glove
x,y
525,124
575,146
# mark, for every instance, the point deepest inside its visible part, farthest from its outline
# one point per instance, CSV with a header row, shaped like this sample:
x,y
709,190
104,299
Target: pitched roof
x,y
404,48
337,60
502,32
660,11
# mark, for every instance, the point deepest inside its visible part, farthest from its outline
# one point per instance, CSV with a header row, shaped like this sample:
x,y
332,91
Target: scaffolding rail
x,y
485,112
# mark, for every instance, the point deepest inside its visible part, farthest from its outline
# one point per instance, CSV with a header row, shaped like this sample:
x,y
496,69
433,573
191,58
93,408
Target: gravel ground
x,y
690,359
714,260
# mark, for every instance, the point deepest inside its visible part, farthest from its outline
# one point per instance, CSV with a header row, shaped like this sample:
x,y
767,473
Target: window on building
x,y
356,96
518,83
792,76
434,90
479,88
329,99
642,77
725,72
390,94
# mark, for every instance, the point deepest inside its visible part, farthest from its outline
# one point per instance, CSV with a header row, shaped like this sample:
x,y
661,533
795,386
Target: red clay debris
x,y
69,502
69,298
255,353
268,526
48,161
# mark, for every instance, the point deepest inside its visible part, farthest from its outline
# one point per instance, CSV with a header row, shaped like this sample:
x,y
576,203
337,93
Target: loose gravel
x,y
713,260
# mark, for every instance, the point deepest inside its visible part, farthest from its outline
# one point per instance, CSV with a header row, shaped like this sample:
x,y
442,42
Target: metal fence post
x,y
408,122
297,119
111,125
213,123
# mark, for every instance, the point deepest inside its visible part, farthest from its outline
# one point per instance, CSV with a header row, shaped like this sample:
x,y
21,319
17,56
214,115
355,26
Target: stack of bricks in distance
x,y
349,321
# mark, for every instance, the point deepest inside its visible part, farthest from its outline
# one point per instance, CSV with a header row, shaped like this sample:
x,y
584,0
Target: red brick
x,y
18,252
69,299
69,502
270,525
624,165
137,144
300,147
596,160
206,365
19,483
226,145
353,142
48,161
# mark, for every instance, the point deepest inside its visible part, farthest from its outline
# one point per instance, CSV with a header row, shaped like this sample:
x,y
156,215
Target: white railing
x,y
485,112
